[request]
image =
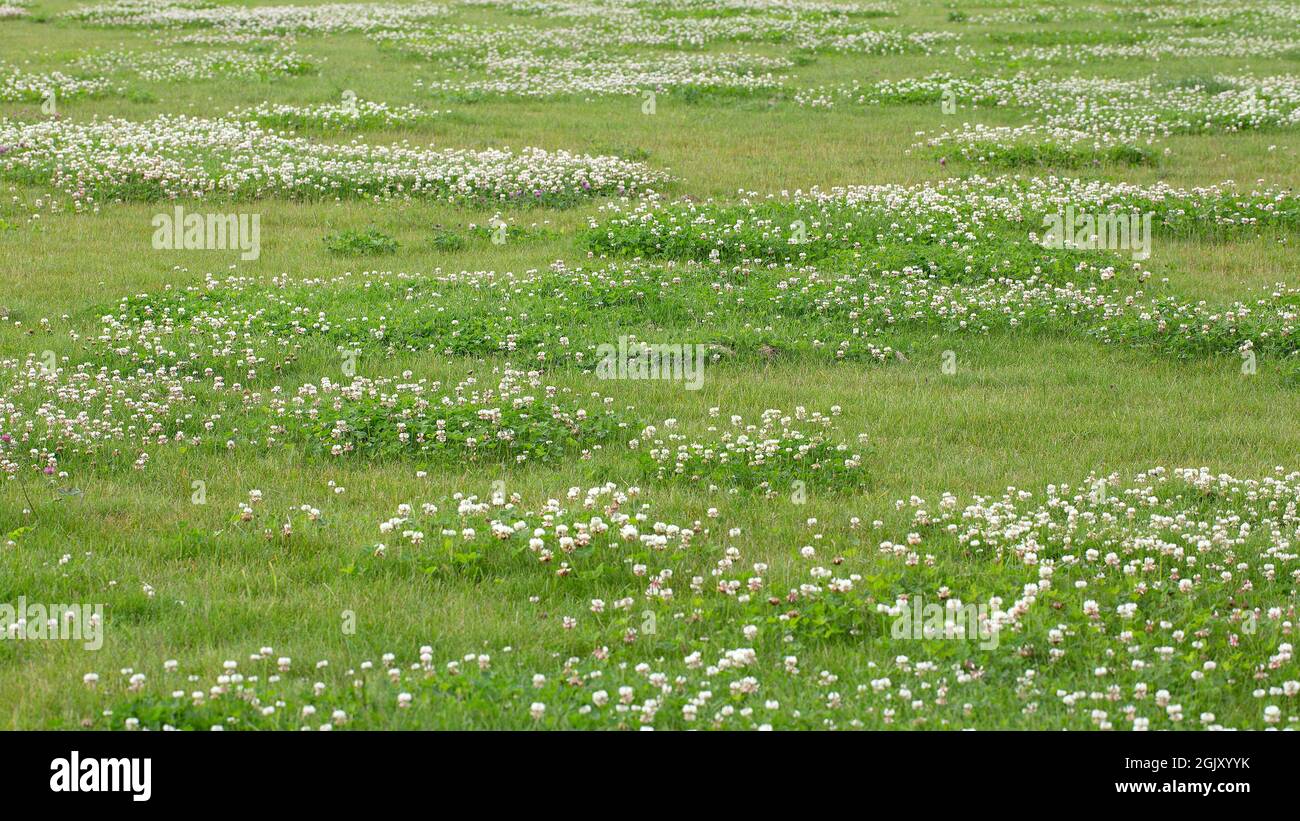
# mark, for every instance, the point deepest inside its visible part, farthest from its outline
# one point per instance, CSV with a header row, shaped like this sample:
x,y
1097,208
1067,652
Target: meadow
x,y
366,464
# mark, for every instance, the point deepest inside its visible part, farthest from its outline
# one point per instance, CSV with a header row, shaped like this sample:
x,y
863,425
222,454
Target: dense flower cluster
x,y
99,417
604,8
768,456
323,18
1033,144
1078,120
761,226
519,419
16,84
1169,47
350,114
1237,14
530,74
175,156
1122,109
169,66
644,26
548,322
69,413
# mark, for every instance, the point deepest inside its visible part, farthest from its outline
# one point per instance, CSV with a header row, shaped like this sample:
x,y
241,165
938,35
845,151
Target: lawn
x,y
374,477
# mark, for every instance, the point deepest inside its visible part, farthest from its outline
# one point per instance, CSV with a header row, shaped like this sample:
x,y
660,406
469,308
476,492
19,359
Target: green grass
x,y
371,242
1024,408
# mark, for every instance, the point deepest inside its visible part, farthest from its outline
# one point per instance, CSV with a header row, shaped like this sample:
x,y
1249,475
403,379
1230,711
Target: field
x,y
321,329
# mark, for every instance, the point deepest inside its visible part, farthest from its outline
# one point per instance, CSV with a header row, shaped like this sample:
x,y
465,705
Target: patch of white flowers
x,y
174,156
172,65
536,75
324,18
347,114
19,85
